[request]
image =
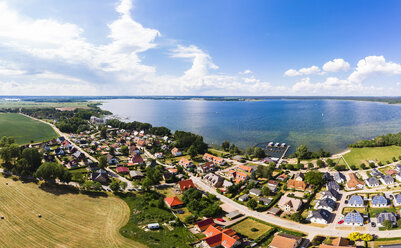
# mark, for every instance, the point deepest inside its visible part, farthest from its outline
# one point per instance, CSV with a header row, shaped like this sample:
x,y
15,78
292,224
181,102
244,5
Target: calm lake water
x,y
329,124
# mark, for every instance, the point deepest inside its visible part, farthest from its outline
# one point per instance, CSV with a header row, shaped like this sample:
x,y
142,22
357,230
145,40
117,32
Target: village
x,y
247,201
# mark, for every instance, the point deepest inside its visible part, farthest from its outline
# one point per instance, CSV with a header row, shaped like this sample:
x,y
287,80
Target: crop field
x,y
357,156
24,129
67,219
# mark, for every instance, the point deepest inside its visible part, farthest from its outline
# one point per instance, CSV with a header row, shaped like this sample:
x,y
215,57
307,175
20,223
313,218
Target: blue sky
x,y
182,47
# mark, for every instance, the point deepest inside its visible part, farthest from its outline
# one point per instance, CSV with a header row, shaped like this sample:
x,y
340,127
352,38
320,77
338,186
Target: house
x,y
100,176
216,160
202,225
219,161
283,240
173,202
227,184
379,201
387,180
273,185
321,216
356,201
326,203
158,155
245,168
282,177
59,151
397,200
208,157
327,177
137,159
111,159
133,150
398,167
214,180
256,192
186,184
265,201
243,198
234,214
176,152
299,176
240,177
331,194
381,217
60,139
78,155
288,204
296,184
372,182
218,237
122,170
206,167
353,218
375,173
354,183
339,177
186,163
97,121
136,174
274,211
332,185
398,176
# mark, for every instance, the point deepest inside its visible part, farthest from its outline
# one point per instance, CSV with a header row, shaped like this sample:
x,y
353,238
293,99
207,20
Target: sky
x,y
205,48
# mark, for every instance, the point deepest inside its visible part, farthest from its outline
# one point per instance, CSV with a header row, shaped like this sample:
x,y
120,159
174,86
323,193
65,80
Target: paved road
x,y
67,137
309,229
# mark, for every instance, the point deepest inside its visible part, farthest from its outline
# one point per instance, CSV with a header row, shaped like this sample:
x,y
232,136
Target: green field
x,y
357,156
68,219
244,227
25,104
24,129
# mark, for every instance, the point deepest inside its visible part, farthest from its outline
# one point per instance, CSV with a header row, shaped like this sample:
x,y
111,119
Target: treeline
x,y
383,140
139,126
302,152
190,142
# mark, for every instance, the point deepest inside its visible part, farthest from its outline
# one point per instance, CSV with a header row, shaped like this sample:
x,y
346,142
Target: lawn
x,y
144,211
24,129
244,227
357,156
374,211
380,242
68,219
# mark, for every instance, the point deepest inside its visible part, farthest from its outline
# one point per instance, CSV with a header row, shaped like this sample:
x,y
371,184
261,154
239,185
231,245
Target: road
x,y
312,231
67,137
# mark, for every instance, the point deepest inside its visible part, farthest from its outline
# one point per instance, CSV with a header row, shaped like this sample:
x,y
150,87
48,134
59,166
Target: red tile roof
x,y
186,184
122,169
173,201
204,224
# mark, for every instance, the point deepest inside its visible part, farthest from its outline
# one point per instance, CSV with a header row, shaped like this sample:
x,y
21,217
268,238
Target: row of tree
x,y
383,140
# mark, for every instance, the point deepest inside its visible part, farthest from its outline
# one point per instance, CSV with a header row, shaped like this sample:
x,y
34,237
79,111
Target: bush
x,y
254,229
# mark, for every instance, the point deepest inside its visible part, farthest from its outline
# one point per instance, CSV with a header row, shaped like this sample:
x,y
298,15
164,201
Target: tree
x,y
123,185
252,203
297,217
114,186
124,150
50,171
33,157
266,191
147,183
330,162
366,237
190,219
314,177
112,151
249,151
225,145
102,162
259,152
387,224
399,222
15,151
302,152
6,141
5,155
354,236
103,133
192,151
320,163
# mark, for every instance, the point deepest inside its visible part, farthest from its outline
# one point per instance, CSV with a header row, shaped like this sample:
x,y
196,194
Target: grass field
x,y
68,219
384,242
244,227
357,156
24,129
25,104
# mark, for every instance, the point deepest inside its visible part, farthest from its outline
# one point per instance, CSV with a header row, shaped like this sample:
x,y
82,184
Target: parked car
x,y
220,219
340,222
373,224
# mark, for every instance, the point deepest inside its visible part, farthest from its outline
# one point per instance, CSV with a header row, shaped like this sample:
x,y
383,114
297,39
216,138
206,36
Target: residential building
x,y
379,201
356,201
332,185
354,183
265,201
256,192
176,152
243,198
204,224
137,159
372,182
246,168
173,202
122,170
206,167
289,204
339,177
353,218
214,180
240,177
186,163
211,158
136,174
398,167
100,176
331,194
398,176
397,200
283,240
321,216
218,237
381,217
296,184
387,180
326,203
186,184
375,173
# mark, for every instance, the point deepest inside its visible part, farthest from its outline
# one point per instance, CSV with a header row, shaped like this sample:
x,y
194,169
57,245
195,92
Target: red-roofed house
x,y
206,167
216,160
173,202
137,159
186,163
176,152
216,237
245,168
186,184
204,224
240,177
122,170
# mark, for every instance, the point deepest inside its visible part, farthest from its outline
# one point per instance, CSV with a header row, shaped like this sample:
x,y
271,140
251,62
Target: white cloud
x,y
246,72
336,65
373,65
303,71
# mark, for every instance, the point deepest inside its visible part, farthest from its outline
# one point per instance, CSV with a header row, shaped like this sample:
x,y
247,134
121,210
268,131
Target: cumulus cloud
x,y
246,72
336,65
303,71
373,65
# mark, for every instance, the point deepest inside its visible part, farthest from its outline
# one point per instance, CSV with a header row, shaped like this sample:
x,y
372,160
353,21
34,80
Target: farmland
x,y
24,129
67,219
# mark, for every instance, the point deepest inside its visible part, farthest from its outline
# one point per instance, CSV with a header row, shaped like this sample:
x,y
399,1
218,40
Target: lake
x,y
330,124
